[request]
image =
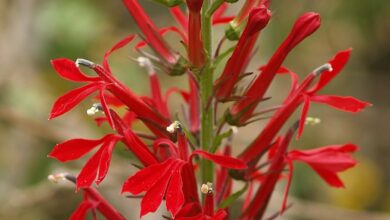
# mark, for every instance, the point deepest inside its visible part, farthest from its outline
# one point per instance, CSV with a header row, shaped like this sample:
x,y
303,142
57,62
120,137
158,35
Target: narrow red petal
x,y
330,177
73,149
68,70
344,103
68,101
174,196
225,161
338,62
90,170
105,158
117,46
156,193
144,179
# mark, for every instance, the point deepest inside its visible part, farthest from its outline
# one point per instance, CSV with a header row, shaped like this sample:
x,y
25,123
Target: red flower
x,y
303,27
327,161
97,166
166,179
303,94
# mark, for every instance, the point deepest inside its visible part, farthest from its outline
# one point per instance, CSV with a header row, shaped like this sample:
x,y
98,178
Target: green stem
x,y
206,89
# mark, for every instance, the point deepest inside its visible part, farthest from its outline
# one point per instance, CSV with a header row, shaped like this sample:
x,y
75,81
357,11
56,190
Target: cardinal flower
x,y
173,178
327,161
303,94
303,27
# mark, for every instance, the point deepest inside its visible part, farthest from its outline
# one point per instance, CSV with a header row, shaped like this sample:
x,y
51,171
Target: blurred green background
x,y
33,32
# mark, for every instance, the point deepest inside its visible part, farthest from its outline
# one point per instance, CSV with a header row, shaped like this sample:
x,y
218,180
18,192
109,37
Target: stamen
x,y
145,62
175,126
207,188
324,68
234,129
312,121
55,178
96,107
84,62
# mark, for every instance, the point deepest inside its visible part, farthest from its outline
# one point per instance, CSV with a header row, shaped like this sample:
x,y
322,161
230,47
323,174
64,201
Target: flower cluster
x,y
183,156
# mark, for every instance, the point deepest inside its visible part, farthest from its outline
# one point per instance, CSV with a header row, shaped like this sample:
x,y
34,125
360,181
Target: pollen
x,y
145,62
324,68
206,188
84,62
172,128
312,121
55,178
96,107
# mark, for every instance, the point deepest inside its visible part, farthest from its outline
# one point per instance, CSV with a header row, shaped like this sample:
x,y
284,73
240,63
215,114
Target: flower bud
x,y
194,5
258,19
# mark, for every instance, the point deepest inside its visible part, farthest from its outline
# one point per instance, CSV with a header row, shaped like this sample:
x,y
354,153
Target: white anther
x,y
84,62
94,109
312,121
234,129
323,68
55,178
206,188
145,62
173,127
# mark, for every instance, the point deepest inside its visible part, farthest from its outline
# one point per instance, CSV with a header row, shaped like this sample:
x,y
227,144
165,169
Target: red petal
x,y
89,172
73,149
330,177
68,101
155,194
68,70
338,62
105,108
81,211
305,110
225,161
174,196
117,46
105,158
344,103
144,179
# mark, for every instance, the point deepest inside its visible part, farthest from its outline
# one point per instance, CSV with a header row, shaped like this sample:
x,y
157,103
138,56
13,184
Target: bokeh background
x,y
33,32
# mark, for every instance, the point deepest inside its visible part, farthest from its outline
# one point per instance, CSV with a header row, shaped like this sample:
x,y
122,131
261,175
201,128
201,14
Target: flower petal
x,y
89,172
174,196
67,69
225,161
73,149
338,62
144,179
156,193
105,158
68,101
117,46
344,103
